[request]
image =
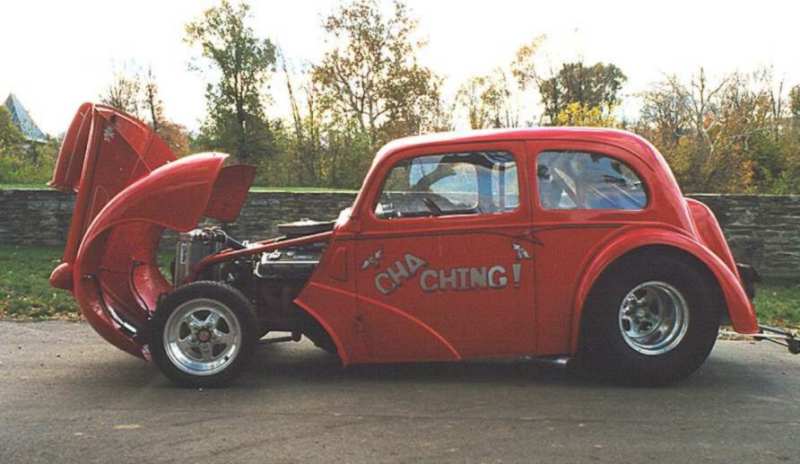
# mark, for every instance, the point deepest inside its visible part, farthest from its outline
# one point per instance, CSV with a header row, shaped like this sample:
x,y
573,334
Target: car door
x,y
445,262
583,193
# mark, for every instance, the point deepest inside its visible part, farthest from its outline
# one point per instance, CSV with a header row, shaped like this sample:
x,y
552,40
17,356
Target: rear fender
x,y
739,307
710,232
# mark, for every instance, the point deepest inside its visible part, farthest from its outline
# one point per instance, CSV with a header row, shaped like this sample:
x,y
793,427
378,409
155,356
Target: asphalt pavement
x,y
66,396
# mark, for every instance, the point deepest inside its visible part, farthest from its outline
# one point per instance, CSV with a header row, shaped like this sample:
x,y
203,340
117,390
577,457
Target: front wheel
x,y
650,321
203,334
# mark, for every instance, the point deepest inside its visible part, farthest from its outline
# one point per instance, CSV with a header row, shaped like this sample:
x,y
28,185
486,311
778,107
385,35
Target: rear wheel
x,y
650,320
203,334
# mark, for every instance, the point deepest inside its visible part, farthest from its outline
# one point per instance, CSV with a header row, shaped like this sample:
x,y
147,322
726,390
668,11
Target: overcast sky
x,y
56,54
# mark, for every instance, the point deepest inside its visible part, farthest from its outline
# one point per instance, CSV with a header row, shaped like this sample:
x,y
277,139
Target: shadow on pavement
x,y
300,364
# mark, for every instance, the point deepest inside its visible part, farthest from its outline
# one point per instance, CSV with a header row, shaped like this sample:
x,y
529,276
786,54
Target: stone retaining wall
x,y
763,230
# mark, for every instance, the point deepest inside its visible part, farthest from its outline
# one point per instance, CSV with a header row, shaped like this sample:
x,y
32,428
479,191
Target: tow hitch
x,y
772,334
780,337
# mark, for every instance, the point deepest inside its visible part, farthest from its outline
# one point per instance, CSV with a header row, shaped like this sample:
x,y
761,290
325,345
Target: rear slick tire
x,y
650,320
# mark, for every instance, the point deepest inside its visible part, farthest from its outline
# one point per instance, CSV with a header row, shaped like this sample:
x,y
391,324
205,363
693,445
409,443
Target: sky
x,y
54,55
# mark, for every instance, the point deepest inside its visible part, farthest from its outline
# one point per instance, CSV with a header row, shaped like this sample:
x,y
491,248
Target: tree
x,y
371,76
176,137
592,87
22,161
303,142
488,101
236,119
124,93
367,89
316,147
523,67
139,97
794,101
724,135
578,114
152,102
11,138
665,107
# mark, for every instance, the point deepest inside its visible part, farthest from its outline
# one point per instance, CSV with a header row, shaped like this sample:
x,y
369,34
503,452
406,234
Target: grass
x,y
24,187
25,292
778,303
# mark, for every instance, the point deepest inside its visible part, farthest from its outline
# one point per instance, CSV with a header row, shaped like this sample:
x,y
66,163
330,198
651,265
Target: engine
x,y
289,264
271,280
192,247
280,275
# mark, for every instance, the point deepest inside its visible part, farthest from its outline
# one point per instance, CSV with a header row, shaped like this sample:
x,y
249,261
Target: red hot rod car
x,y
572,243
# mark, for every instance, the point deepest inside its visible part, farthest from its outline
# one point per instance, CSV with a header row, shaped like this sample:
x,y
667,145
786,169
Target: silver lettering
x,y
462,277
516,270
425,277
399,274
497,277
448,281
414,264
477,277
380,287
457,278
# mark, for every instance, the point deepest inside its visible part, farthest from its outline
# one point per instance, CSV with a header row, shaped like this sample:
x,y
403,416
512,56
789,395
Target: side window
x,y
448,184
577,180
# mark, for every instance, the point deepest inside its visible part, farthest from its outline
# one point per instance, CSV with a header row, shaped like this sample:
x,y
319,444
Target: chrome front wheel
x,y
203,334
202,337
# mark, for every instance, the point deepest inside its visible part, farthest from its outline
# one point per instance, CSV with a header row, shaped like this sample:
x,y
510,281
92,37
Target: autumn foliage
x,y
731,133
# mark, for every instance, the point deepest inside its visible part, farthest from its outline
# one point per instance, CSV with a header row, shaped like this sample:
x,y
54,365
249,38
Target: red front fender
x,y
740,309
120,247
124,203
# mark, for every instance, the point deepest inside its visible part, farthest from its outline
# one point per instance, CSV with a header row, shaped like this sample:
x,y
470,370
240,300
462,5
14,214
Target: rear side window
x,y
579,180
449,184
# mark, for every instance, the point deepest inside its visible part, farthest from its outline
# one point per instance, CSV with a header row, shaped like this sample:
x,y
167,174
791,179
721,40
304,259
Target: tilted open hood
x,y
130,187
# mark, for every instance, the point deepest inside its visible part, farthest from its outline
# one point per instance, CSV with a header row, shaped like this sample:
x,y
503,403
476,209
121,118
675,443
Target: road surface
x,y
67,396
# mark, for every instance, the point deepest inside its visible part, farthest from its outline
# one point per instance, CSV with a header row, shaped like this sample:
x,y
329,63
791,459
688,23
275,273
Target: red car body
x,y
383,290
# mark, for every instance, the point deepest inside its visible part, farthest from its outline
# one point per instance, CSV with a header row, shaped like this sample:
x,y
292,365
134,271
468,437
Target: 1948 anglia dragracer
x,y
571,243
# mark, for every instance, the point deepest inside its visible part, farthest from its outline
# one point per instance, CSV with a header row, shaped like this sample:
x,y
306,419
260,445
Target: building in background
x,y
22,119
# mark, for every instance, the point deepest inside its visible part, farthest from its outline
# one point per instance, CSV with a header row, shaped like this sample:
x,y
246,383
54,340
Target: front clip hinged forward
x,y
787,338
129,188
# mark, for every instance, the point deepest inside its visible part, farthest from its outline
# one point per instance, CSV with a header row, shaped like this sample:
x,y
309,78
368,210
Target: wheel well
x,y
642,253
316,332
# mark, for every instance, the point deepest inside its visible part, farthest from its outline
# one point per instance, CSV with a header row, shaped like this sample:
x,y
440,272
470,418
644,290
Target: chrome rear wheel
x,y
653,318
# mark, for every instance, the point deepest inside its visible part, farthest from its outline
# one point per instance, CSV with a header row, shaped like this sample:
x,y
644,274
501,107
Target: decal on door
x,y
374,260
521,252
108,134
496,276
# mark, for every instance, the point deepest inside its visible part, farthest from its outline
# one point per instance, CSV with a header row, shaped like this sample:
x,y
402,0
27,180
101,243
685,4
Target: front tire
x,y
650,320
203,334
